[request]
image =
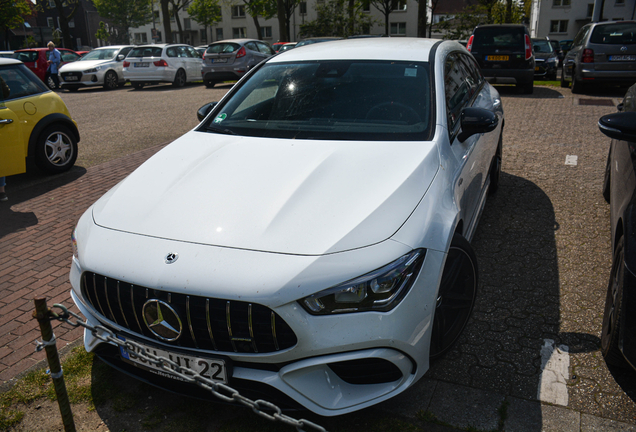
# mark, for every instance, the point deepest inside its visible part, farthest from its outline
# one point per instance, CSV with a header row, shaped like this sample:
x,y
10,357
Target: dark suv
x,y
504,53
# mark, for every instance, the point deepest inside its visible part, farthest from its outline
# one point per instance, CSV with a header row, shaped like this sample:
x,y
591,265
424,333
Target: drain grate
x,y
596,102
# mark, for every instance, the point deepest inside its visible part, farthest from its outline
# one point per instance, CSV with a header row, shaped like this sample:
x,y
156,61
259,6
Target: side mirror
x,y
620,126
476,120
205,110
120,57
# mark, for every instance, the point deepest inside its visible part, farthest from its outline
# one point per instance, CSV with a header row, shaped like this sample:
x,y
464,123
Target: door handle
x,y
6,121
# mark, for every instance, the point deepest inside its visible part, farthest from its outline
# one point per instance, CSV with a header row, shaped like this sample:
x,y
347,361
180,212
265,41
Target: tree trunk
x,y
259,31
386,24
176,18
282,21
422,7
66,32
508,18
165,13
352,18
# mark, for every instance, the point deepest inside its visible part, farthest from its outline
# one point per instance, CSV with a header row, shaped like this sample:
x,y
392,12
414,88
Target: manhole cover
x,y
597,102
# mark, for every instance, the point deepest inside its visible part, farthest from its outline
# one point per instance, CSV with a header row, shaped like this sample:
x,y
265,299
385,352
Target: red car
x,y
36,60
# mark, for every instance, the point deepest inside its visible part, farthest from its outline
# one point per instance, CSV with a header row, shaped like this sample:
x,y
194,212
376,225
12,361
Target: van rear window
x,y
502,38
620,33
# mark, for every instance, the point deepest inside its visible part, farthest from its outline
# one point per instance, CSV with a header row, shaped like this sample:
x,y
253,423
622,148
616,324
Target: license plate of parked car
x,y
142,64
623,58
497,58
213,369
219,60
70,78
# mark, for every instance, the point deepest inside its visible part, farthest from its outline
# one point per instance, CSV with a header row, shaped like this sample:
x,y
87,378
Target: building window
x,y
559,26
71,24
590,10
238,11
398,29
239,32
558,3
219,34
267,32
303,8
203,35
366,5
49,22
140,38
156,17
51,3
186,24
399,5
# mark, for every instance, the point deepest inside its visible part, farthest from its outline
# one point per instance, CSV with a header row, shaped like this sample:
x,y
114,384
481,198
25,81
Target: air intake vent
x,y
207,323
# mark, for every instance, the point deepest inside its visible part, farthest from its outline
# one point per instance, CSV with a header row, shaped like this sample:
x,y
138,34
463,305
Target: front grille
x,y
207,323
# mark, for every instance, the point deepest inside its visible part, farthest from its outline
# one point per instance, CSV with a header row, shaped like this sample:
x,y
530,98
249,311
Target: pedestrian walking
x,y
55,58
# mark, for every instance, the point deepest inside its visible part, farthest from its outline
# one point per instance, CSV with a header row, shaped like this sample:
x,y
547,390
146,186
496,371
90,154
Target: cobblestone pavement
x,y
544,255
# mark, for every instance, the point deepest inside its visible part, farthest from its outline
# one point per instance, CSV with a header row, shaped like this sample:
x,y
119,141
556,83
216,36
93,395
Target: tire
x,y
72,89
455,297
210,83
50,83
564,83
607,178
495,168
138,85
577,86
612,317
56,149
528,88
111,81
179,79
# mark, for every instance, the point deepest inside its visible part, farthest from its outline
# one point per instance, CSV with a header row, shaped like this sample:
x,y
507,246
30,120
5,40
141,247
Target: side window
x,y
193,53
581,35
459,86
473,69
264,48
183,51
125,51
18,83
251,46
172,52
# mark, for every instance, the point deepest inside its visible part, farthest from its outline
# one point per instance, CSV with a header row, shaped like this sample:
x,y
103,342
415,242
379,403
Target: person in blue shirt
x,y
54,63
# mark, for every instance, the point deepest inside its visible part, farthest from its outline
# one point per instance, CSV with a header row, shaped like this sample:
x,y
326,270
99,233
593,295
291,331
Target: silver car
x,y
601,53
228,60
151,64
100,67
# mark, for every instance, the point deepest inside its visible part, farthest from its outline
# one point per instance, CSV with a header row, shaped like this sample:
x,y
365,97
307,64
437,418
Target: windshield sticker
x,y
410,72
220,118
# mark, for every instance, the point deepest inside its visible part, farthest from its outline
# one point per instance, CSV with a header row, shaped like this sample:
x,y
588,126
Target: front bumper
x,y
304,372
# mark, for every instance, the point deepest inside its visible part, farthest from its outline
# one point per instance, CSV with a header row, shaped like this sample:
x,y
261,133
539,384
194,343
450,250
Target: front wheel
x,y
111,81
614,312
577,86
56,149
179,79
455,297
495,168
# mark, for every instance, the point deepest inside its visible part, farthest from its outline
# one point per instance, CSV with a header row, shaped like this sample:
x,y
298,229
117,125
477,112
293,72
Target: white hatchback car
x,y
151,64
99,67
308,241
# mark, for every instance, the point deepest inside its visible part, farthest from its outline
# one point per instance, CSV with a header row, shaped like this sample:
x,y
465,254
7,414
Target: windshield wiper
x,y
221,130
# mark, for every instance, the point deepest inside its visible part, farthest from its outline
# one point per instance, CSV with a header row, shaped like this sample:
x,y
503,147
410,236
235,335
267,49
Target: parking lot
x,y
543,249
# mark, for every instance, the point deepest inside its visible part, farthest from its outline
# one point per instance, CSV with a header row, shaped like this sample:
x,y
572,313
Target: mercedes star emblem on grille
x,y
172,257
162,320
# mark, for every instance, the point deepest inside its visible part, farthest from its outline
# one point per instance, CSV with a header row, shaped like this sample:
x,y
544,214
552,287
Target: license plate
x,y
213,369
219,60
70,78
497,58
142,64
623,58
536,69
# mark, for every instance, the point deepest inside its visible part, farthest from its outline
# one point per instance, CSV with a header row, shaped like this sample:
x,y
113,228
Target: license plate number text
x,y
497,58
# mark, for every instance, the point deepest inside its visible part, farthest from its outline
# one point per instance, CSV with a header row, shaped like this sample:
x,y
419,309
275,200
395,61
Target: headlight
x,y
95,69
380,290
74,244
552,60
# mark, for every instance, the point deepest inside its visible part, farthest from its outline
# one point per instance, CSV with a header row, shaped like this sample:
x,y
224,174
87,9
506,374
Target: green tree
x,y
284,11
125,14
66,11
386,7
12,13
205,12
335,18
102,33
256,8
175,7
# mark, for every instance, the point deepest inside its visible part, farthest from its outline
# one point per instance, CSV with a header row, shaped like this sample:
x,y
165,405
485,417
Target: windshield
x,y
620,33
336,100
541,46
100,54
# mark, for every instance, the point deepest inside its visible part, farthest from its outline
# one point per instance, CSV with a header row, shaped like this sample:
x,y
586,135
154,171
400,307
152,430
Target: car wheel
x,y
456,296
110,80
56,149
528,88
137,85
495,168
179,79
577,86
50,83
209,83
607,178
614,309
564,83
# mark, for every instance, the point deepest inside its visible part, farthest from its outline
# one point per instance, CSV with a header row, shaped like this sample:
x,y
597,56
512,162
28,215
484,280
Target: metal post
x,y
42,314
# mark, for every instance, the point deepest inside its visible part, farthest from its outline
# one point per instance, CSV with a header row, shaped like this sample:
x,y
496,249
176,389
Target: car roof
x,y
8,61
110,47
242,40
42,49
400,49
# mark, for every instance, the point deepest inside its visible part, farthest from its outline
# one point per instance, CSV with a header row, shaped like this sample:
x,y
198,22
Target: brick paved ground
x,y
35,241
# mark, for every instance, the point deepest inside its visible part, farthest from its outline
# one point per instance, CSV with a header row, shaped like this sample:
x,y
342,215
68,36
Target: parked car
x,y
152,64
504,53
82,53
6,54
276,46
546,60
287,47
36,60
556,46
309,240
309,41
201,50
602,52
566,44
229,60
101,67
618,339
34,124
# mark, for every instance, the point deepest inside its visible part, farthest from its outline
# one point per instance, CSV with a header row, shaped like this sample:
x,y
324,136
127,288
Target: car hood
x,y
299,197
80,66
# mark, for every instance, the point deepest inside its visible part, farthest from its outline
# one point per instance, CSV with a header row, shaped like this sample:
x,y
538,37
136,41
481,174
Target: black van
x,y
504,53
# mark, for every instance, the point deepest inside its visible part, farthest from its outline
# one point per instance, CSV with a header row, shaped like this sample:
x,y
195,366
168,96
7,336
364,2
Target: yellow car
x,y
34,123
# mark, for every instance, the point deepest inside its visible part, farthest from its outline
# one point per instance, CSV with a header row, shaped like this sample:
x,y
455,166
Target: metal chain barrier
x,y
222,391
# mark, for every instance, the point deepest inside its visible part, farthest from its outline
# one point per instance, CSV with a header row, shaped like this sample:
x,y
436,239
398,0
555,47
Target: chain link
x,y
220,390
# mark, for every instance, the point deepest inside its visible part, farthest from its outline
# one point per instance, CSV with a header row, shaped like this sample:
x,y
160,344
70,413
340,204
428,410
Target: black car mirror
x,y
205,110
120,57
476,120
620,126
